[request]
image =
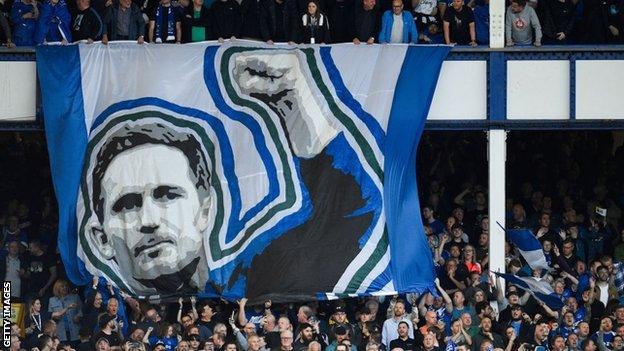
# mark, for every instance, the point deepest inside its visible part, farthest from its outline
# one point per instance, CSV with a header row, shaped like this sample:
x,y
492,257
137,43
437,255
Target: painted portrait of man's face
x,y
151,204
150,212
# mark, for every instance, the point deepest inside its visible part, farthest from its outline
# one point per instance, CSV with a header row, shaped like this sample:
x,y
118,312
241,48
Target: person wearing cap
x,y
107,331
342,337
339,318
390,330
102,344
160,346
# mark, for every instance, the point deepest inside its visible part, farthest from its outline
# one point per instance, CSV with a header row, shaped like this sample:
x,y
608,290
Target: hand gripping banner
x,y
270,172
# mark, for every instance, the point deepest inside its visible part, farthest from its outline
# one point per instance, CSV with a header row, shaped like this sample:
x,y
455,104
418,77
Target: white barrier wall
x,y
536,90
461,93
18,91
599,89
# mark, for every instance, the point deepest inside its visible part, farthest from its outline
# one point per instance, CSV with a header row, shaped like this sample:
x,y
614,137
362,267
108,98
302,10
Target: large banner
x,y
271,172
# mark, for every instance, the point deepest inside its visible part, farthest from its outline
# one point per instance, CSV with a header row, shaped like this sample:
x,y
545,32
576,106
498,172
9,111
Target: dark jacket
x,y
319,29
137,23
87,24
268,21
556,17
251,10
188,22
367,23
227,19
596,19
341,17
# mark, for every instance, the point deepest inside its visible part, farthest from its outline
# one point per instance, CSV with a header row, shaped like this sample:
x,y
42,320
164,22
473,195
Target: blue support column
x,y
497,86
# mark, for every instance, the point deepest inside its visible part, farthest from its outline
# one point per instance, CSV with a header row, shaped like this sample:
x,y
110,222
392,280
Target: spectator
x,y
87,24
13,232
342,338
557,20
108,331
429,343
366,22
428,214
397,26
314,25
164,24
470,260
425,15
459,28
54,22
286,342
403,342
24,15
486,332
340,14
196,23
12,268
520,22
390,329
65,308
34,322
227,19
125,20
278,21
40,271
251,10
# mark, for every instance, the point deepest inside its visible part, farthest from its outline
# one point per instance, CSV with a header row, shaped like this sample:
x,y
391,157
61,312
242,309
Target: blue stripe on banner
x,y
413,94
345,96
211,80
524,239
59,67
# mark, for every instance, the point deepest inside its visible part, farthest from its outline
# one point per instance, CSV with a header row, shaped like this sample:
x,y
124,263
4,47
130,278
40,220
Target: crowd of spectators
x,y
462,22
556,181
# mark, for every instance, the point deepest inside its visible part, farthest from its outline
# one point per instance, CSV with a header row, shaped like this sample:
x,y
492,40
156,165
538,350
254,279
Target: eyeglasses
x,y
397,7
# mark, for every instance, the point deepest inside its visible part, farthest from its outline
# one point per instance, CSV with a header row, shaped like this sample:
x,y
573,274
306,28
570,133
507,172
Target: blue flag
x,y
239,169
529,247
539,288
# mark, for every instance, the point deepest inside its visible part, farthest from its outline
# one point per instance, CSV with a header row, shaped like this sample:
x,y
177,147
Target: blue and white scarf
x,y
170,23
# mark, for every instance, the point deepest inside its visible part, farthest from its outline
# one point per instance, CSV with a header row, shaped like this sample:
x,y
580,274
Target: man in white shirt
x,y
391,325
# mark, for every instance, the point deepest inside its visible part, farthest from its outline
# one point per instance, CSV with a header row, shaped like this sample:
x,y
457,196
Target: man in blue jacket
x,y
397,26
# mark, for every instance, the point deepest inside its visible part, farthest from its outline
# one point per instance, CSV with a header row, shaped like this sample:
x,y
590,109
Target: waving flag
x,y
538,288
529,247
271,172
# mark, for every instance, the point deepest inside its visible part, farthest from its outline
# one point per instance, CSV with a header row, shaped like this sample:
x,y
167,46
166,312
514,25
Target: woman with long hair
x,y
314,25
65,307
34,321
470,260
